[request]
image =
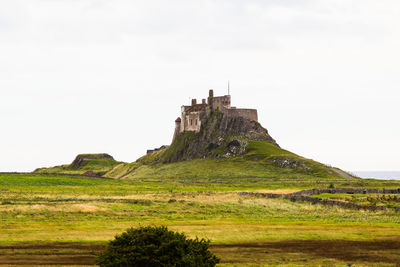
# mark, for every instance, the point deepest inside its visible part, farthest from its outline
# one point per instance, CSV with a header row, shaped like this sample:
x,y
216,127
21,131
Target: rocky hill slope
x,y
220,136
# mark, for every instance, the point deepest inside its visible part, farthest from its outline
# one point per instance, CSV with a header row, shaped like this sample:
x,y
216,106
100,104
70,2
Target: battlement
x,y
193,115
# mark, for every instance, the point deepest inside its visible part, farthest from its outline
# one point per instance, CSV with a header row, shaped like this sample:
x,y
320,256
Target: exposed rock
x,y
219,125
234,147
289,163
220,136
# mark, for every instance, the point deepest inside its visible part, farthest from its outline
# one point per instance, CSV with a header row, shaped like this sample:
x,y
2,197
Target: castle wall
x,y
191,121
219,102
250,114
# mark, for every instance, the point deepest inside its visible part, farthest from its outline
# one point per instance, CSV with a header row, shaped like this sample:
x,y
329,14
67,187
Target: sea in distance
x,y
387,175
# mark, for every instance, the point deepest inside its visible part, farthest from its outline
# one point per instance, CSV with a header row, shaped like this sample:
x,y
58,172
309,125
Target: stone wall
x,y
250,114
304,195
318,191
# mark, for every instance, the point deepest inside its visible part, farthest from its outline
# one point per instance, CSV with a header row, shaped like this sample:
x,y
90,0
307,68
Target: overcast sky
x,y
89,76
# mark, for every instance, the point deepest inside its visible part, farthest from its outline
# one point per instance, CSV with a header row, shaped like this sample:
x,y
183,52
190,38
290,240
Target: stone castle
x,y
193,115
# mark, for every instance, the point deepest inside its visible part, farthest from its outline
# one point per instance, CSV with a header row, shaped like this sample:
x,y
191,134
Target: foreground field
x,y
289,253
66,220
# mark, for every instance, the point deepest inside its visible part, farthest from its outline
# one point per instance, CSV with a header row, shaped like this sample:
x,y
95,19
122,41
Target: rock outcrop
x,y
79,161
220,136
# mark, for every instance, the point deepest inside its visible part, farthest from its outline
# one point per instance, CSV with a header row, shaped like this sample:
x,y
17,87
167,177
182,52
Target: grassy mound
x,y
90,164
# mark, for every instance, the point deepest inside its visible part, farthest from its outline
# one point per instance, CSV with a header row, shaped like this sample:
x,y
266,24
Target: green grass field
x,y
66,220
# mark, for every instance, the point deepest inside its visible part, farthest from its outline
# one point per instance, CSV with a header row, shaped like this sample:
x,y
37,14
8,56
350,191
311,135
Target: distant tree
x,y
331,186
156,246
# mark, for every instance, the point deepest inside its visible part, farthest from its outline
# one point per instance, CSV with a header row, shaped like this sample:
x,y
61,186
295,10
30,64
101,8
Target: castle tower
x,y
210,96
177,128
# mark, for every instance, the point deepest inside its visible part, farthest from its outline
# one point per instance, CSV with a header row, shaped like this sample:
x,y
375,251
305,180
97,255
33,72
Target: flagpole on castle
x,y
229,91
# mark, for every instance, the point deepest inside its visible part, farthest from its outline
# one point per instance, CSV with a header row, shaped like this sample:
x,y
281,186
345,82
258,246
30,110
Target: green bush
x,y
156,246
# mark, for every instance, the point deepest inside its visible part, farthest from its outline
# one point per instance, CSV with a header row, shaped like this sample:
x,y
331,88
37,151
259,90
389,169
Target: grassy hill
x,y
225,149
261,161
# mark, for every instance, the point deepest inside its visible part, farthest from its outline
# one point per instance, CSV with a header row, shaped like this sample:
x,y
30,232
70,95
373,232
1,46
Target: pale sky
x,y
90,76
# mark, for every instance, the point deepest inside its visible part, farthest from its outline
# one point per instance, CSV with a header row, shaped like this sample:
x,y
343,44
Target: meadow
x,y
66,220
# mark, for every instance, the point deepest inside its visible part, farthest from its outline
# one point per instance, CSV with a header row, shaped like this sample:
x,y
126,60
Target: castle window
x,y
196,122
191,122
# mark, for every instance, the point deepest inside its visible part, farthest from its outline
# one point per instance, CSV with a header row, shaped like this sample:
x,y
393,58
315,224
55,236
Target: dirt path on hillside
x,y
342,173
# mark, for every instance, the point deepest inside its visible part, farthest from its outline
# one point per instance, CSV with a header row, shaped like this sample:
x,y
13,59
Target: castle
x,y
193,115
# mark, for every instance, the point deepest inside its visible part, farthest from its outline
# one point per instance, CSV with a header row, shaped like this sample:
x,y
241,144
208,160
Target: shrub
x,y
156,246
